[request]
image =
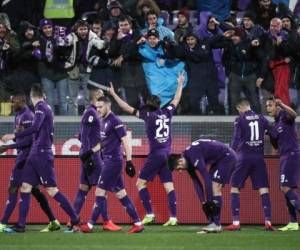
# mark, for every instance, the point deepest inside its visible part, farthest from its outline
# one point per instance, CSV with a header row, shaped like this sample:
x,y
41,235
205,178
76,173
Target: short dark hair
x,y
104,99
243,102
37,91
125,18
153,102
97,21
80,23
19,94
151,12
173,160
271,98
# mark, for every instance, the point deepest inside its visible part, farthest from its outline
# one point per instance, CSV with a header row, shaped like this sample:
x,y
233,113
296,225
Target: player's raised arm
x,y
180,81
123,105
292,114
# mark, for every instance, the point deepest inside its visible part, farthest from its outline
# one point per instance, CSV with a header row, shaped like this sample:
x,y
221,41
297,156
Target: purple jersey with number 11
x,y
158,127
249,132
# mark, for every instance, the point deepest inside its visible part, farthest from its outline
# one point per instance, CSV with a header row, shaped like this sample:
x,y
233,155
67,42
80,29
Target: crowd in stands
x,y
227,49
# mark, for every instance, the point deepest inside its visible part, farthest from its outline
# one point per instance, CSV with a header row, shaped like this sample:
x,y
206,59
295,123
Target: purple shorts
x,y
111,177
92,178
16,177
156,164
39,168
290,170
252,166
221,171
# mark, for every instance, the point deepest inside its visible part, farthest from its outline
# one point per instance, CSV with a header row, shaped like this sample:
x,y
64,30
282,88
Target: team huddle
x,y
104,139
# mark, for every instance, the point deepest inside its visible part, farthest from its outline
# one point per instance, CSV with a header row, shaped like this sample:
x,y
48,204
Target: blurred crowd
x,y
227,49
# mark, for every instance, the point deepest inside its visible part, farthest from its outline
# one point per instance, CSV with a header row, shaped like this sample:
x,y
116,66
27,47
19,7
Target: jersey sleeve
x,y
236,134
170,110
119,128
39,116
143,114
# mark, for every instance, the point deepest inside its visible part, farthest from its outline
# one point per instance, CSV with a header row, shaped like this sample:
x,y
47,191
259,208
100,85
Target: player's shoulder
x,y
115,120
169,108
89,115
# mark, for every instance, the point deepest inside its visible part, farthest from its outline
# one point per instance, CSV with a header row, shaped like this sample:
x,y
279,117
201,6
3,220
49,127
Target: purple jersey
x,y
249,132
23,120
158,127
42,127
284,132
89,129
112,130
203,152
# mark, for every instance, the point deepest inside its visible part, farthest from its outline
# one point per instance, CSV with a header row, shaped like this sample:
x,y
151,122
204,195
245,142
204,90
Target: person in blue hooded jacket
x,y
160,72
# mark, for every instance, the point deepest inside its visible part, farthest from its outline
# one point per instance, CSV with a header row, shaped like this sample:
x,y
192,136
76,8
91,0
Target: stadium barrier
x,y
185,130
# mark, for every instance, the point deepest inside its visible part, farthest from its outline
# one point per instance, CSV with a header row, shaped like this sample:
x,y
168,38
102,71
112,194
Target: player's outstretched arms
x,y
3,148
180,81
289,110
123,105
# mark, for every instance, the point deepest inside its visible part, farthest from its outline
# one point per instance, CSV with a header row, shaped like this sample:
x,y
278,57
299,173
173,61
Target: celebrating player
x,y
284,137
248,142
91,161
113,134
158,129
23,120
39,165
222,160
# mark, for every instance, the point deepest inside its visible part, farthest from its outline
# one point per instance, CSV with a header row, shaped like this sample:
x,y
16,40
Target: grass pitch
x,y
154,237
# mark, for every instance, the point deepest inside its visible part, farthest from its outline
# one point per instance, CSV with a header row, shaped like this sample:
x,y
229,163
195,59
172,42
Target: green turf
x,y
154,237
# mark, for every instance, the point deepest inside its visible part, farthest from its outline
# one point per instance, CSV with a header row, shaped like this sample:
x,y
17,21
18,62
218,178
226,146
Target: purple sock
x,y
79,200
235,206
67,207
172,203
10,206
146,200
130,208
219,202
98,209
24,207
292,211
105,216
266,204
294,199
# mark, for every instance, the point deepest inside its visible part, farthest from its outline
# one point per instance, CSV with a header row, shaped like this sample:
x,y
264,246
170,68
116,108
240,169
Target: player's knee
x,y
140,184
263,191
26,188
52,191
121,194
12,190
284,189
84,187
235,190
169,187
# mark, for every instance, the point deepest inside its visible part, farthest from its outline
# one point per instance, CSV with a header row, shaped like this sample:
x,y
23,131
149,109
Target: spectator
x,y
202,73
253,30
160,73
280,62
265,10
51,67
25,72
208,28
241,65
130,63
142,8
97,27
80,41
183,27
154,22
102,59
112,12
9,48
